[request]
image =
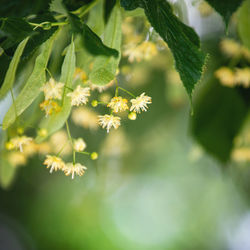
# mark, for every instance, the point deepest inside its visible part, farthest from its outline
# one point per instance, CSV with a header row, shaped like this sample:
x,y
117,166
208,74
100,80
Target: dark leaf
x,y
91,41
108,6
225,8
218,116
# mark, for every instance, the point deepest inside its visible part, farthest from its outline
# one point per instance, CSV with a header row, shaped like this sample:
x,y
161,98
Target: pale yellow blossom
x,y
226,76
79,96
242,77
109,121
79,145
140,103
19,141
118,104
17,159
52,89
230,47
50,107
72,169
54,163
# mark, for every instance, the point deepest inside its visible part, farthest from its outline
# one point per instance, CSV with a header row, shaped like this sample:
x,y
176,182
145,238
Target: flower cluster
x,y
120,104
52,91
232,78
56,163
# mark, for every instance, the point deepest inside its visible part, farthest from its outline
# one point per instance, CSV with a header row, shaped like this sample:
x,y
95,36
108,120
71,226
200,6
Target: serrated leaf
x,y
32,88
56,121
11,72
57,6
244,23
104,68
225,8
7,173
181,39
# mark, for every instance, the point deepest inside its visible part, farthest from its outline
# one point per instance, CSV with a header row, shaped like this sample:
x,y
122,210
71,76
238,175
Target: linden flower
x,y
52,89
118,104
80,74
79,145
54,163
133,53
242,77
140,103
79,96
19,141
109,121
72,169
148,49
226,76
49,107
230,47
17,159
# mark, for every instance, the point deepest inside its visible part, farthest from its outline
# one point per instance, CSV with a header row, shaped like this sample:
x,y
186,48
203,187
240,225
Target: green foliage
x,y
57,6
181,39
244,23
32,88
10,75
7,173
225,8
105,67
56,121
218,117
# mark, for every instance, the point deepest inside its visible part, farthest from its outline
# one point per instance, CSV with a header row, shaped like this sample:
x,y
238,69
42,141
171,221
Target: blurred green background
x,y
167,180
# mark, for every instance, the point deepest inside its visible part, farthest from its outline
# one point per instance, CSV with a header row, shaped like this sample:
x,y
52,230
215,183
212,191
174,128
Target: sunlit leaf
x,y
7,173
11,72
32,88
56,121
57,6
104,69
244,23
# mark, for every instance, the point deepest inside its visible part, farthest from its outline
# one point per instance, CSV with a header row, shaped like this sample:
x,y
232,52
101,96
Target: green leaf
x,y
181,39
219,113
244,23
58,7
32,88
11,72
225,8
105,67
91,41
7,173
56,121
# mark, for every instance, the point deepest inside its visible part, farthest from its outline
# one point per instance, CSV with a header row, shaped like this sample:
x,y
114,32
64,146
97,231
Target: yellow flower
x,y
42,132
205,9
79,145
145,51
132,116
19,141
230,47
72,169
85,117
43,148
226,76
59,142
118,104
79,96
109,121
17,159
80,74
140,103
54,163
50,107
242,77
94,156
241,154
52,89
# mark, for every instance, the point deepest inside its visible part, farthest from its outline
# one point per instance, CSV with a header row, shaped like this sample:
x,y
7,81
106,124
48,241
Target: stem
x,y
49,72
85,153
88,8
71,140
127,92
